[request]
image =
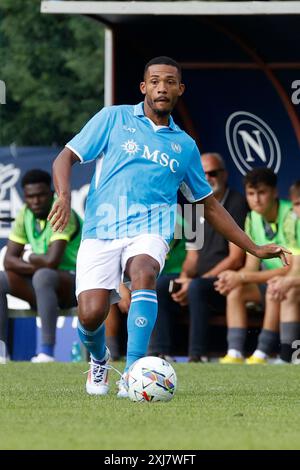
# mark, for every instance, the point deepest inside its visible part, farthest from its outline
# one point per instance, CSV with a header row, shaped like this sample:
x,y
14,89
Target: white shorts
x,y
101,263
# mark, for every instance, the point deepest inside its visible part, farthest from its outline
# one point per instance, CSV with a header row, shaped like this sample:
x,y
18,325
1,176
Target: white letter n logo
x,y
256,145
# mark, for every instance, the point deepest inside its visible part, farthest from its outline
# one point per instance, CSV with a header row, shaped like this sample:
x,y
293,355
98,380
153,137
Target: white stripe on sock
x,y
134,294
145,299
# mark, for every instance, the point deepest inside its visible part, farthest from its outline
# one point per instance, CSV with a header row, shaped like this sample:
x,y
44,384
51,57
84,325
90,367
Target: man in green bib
x,y
39,263
264,224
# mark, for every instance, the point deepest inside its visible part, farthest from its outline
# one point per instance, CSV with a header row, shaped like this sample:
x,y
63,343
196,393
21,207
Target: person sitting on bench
x,y
43,275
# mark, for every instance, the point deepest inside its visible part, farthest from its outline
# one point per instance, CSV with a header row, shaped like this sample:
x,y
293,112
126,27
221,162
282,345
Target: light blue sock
x,y
94,341
141,320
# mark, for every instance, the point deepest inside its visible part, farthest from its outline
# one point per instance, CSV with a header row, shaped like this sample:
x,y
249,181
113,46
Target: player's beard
x,y
161,112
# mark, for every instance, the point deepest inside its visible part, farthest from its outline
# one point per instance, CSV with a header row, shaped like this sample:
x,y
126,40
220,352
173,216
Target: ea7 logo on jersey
x,y
129,129
161,158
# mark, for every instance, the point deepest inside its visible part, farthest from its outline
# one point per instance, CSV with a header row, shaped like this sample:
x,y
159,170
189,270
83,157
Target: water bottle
x,y
2,352
76,355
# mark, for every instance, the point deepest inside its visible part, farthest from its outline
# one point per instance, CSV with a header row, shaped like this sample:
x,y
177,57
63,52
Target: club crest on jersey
x,y
130,147
176,147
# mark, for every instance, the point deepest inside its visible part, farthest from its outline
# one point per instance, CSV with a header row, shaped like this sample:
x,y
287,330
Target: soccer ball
x,y
151,379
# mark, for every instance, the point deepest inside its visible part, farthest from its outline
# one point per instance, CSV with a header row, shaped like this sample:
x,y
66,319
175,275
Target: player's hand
x,y
273,251
60,213
227,280
181,296
124,305
125,301
279,286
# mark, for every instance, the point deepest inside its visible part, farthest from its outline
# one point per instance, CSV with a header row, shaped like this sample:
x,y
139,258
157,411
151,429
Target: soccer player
x,y
143,157
284,291
44,275
264,223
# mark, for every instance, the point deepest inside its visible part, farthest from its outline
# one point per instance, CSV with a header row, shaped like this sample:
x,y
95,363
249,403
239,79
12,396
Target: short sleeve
x,y
195,186
91,141
18,232
69,231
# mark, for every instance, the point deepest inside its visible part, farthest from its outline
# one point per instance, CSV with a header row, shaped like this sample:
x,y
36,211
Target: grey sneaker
x,y
278,362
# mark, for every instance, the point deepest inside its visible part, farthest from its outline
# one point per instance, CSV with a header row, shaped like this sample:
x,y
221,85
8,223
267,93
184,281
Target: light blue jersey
x,y
138,173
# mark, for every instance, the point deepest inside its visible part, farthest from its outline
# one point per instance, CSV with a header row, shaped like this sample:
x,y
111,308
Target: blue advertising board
x,y
251,124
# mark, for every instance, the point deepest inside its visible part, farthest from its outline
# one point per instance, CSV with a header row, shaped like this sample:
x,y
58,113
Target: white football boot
x,y
123,386
97,381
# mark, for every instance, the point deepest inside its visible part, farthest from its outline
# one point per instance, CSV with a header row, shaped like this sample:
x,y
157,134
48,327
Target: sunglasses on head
x,y
214,173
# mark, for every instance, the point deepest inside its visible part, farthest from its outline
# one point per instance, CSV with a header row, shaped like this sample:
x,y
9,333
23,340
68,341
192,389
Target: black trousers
x,y
168,310
203,302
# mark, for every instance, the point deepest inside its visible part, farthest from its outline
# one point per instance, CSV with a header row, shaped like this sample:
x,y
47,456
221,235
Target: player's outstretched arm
x,y
222,221
60,213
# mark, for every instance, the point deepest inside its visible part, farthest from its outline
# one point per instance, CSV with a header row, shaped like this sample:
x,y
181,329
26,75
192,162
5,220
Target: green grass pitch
x,y
215,407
